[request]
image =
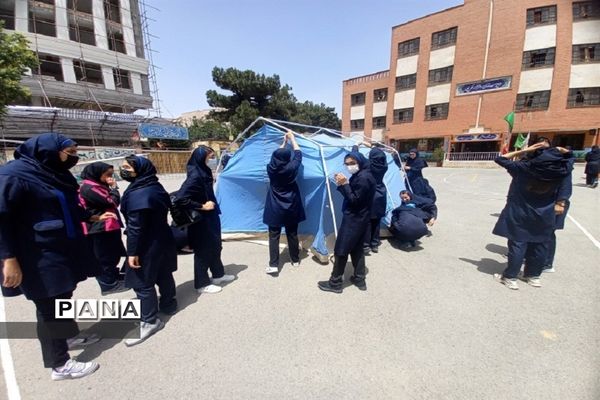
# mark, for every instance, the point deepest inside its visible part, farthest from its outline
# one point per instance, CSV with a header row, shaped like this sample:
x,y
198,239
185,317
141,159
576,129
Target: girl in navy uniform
x,y
283,206
414,166
42,245
378,166
358,195
204,235
151,251
98,194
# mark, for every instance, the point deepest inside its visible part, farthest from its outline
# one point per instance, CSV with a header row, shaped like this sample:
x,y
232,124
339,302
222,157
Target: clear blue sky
x,y
313,45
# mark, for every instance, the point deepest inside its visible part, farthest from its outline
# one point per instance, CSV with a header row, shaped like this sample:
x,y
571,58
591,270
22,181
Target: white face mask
x,y
352,168
211,163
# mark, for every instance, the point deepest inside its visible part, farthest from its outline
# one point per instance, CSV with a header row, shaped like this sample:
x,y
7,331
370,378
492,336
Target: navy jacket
x,y
592,158
408,223
378,166
536,184
145,205
283,205
40,220
358,200
197,188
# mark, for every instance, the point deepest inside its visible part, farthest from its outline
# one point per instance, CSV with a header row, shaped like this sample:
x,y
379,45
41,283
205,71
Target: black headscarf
x,y
145,181
279,169
550,165
94,171
378,164
38,161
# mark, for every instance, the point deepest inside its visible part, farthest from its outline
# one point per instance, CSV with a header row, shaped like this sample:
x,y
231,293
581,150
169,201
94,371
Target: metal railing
x,y
473,156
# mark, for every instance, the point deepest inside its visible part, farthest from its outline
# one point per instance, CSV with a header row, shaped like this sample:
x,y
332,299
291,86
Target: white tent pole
x,y
234,142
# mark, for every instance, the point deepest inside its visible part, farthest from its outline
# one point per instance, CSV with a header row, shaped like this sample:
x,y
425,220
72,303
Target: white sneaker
x,y
146,330
271,270
549,270
81,341
509,283
209,289
73,370
532,281
223,279
295,264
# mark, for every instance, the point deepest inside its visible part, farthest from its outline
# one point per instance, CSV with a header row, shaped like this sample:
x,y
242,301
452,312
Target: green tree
x,y
206,129
15,58
309,113
253,95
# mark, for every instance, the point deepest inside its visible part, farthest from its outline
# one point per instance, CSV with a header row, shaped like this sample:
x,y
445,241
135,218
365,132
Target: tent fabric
x,y
242,186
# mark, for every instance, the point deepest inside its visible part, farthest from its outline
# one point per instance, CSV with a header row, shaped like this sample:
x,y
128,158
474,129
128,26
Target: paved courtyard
x,y
432,325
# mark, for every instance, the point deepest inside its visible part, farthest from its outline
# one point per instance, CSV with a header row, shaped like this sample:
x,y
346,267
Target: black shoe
x,y
171,309
375,249
328,287
361,284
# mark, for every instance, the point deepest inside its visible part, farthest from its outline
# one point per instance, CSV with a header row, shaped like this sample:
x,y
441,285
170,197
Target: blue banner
x,y
173,132
486,85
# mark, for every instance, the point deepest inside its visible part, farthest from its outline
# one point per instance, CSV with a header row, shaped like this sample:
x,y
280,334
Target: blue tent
x,y
242,186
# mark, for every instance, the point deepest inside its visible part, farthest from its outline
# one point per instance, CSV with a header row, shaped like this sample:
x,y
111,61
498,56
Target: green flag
x,y
522,141
510,119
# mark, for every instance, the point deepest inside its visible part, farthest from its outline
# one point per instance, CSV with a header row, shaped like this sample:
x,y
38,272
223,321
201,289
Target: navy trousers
x,y
534,255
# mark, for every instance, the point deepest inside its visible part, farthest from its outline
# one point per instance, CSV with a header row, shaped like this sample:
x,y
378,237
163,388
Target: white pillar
x,y
136,82
127,24
108,77
62,20
68,70
21,16
99,24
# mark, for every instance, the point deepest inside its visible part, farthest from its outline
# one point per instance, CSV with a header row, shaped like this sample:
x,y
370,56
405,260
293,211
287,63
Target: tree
x,y
206,129
255,95
15,58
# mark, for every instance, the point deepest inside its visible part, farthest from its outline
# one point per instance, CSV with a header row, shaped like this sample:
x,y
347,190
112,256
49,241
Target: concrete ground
x,y
432,325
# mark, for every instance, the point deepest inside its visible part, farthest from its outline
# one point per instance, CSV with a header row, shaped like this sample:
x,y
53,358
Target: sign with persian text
x,y
153,131
483,86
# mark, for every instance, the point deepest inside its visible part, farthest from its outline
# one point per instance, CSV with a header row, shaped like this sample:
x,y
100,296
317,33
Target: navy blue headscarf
x,y
378,164
361,160
196,165
279,168
94,171
144,191
550,165
39,162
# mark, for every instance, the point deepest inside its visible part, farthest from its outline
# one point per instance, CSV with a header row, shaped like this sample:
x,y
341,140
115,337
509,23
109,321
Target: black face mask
x,y
70,162
126,175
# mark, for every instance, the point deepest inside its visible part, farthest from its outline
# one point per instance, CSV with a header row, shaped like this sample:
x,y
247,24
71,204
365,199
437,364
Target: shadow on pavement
x,y
496,248
486,265
495,215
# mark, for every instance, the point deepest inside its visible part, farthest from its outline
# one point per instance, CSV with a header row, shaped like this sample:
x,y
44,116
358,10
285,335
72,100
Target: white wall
x,y
62,20
357,112
21,14
441,58
136,83
585,32
108,77
407,65
127,24
404,99
585,75
535,80
438,94
67,70
377,134
540,37
380,109
99,24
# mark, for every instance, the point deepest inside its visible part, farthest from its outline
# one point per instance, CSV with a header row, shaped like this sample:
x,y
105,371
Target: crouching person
x,y
151,250
358,195
409,219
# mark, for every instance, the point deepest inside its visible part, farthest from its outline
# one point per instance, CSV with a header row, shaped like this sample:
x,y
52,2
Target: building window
x,y
357,99
403,115
88,72
444,38
84,6
533,101
40,22
49,67
116,42
440,75
586,9
81,34
378,122
406,82
583,53
538,58
436,111
408,48
379,95
7,15
112,11
541,15
582,97
357,124
122,78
